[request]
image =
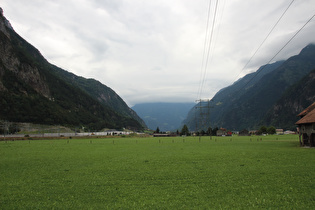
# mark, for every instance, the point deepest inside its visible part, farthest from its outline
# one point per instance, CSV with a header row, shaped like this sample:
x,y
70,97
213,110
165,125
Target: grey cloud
x,y
155,48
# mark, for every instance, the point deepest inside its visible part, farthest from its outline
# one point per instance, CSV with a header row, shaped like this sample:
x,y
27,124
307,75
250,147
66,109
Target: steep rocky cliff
x,y
33,90
11,53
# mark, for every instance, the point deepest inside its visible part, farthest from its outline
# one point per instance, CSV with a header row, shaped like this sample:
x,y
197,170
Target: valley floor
x,y
157,173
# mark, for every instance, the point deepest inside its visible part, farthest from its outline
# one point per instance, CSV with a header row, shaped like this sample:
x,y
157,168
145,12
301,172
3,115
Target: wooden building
x,y
279,131
222,132
306,126
244,133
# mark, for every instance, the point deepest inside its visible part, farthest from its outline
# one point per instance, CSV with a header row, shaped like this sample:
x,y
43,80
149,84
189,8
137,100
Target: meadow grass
x,y
158,173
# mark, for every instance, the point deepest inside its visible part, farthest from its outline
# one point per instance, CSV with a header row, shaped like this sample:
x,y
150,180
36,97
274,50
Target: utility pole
x,y
5,128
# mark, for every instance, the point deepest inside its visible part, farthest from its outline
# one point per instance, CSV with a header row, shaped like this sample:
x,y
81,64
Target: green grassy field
x,y
158,173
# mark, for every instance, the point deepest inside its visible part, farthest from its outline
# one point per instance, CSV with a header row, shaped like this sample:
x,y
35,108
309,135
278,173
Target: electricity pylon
x,y
204,115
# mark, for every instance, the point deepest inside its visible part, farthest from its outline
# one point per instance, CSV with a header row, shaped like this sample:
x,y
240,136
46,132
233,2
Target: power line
x,y
261,44
209,48
279,50
204,49
205,115
204,72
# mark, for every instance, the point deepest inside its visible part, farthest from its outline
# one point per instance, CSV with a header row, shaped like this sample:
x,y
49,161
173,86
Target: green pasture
x,y
158,173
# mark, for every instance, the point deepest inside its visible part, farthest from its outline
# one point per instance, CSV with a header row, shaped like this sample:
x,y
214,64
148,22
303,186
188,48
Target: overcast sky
x,y
153,50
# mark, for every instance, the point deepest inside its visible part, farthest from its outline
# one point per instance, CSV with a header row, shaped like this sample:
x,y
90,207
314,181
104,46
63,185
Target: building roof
x,y
307,110
309,117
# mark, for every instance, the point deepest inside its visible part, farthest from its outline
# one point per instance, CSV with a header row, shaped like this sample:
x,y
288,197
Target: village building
x,y
306,126
279,131
221,132
252,132
244,133
289,132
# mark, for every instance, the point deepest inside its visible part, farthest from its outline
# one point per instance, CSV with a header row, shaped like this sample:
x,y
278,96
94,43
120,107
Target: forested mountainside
x,y
33,90
166,116
294,100
245,104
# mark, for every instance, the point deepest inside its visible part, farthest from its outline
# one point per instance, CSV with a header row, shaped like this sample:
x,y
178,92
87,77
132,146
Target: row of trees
x,y
213,132
185,131
266,130
8,128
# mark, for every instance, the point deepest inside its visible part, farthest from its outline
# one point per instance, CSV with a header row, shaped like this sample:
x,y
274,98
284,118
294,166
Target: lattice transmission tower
x,y
202,115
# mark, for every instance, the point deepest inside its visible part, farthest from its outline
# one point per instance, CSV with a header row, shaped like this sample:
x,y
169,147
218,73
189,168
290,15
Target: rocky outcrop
x,y
10,61
4,24
33,90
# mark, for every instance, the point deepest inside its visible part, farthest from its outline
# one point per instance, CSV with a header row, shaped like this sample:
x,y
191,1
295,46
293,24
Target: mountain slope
x,y
294,100
224,98
166,116
33,90
245,103
248,81
101,93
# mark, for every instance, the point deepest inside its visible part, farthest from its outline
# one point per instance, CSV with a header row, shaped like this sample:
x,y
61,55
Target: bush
x,y
265,130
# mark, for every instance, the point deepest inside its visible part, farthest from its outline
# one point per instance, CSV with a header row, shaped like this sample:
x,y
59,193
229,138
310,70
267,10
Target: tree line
x,y
213,131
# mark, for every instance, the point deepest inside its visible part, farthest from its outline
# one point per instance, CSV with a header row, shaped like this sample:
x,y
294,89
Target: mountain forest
x,y
35,91
271,96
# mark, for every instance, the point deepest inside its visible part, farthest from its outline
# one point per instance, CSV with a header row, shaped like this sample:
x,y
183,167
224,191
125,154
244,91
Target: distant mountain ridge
x,y
33,90
166,116
245,104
